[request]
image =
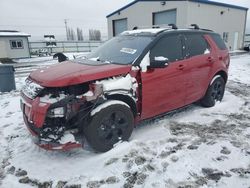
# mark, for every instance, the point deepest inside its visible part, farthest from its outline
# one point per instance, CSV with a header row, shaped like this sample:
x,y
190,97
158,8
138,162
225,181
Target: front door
x,y
163,89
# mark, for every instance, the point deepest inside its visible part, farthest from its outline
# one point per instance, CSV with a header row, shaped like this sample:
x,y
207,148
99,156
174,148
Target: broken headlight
x,y
56,112
53,98
31,89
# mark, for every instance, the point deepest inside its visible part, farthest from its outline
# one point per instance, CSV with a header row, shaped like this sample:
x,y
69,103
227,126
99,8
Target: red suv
x,y
132,77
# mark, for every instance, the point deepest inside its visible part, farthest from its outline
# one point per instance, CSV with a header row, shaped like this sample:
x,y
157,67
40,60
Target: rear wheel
x,y
109,125
215,92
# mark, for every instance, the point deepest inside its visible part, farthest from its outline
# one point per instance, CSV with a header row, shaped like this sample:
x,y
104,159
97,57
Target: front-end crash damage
x,y
56,116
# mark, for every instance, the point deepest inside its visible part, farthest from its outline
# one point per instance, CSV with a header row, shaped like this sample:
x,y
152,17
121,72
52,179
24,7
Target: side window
x,y
16,44
196,45
167,47
219,42
13,44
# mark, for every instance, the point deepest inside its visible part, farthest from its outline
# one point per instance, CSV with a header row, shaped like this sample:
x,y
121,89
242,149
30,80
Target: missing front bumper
x,y
77,142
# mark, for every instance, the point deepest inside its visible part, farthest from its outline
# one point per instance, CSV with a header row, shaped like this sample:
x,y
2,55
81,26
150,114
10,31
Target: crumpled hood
x,y
72,73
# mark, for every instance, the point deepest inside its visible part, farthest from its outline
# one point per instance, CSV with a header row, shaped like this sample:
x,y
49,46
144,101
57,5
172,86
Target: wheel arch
x,y
124,98
223,74
209,99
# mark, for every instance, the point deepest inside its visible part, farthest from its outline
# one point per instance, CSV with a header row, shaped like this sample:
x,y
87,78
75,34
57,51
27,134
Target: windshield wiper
x,y
94,59
98,59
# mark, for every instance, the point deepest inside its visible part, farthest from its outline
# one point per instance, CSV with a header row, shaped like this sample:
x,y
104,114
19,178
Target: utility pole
x,y
66,27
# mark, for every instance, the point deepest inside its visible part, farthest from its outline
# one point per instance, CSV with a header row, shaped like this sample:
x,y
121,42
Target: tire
x,y
215,92
109,125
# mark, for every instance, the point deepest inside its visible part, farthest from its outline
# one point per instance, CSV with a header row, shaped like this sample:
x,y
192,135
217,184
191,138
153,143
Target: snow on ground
x,y
191,147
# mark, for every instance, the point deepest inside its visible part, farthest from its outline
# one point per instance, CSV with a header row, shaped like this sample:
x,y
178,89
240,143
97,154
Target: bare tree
x,y
68,33
94,34
71,34
79,34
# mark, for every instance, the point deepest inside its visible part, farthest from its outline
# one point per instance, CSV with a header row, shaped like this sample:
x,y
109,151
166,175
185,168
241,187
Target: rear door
x,y
200,59
163,89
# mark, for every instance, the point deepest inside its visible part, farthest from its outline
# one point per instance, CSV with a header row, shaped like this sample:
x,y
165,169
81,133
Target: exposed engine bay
x,y
64,111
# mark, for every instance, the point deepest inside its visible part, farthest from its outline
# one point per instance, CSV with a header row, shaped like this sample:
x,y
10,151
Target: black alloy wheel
x,y
110,125
215,92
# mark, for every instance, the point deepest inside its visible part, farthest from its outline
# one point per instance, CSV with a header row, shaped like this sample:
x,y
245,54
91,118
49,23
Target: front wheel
x,y
111,123
215,92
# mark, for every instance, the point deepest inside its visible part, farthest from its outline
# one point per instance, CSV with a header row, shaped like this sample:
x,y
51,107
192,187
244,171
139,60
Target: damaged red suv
x,y
132,77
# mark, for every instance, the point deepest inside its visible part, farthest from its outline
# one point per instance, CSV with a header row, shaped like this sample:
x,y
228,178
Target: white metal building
x,y
228,20
14,44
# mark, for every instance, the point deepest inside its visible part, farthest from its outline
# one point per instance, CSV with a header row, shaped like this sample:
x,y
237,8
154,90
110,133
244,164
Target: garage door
x,y
165,17
119,26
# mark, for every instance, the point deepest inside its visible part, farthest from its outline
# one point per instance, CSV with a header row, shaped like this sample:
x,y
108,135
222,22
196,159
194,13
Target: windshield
x,y
121,50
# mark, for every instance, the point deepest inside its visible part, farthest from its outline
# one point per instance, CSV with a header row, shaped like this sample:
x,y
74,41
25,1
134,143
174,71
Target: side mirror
x,y
159,62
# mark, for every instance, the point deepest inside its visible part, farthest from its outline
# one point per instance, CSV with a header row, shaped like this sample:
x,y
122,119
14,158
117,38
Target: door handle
x,y
210,59
181,67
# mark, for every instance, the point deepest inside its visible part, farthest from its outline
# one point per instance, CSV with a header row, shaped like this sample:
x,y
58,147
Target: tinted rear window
x,y
219,42
196,45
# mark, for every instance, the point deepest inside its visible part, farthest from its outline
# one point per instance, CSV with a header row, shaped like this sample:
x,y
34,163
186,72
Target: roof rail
x,y
173,26
195,26
163,26
170,26
207,30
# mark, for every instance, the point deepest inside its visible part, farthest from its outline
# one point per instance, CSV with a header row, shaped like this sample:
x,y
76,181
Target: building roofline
x,y
15,35
219,4
196,1
122,8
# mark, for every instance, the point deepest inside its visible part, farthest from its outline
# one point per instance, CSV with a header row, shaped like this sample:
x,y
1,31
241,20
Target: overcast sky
x,y
39,17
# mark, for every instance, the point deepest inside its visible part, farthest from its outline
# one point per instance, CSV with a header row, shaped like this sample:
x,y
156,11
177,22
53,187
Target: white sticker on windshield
x,y
128,50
